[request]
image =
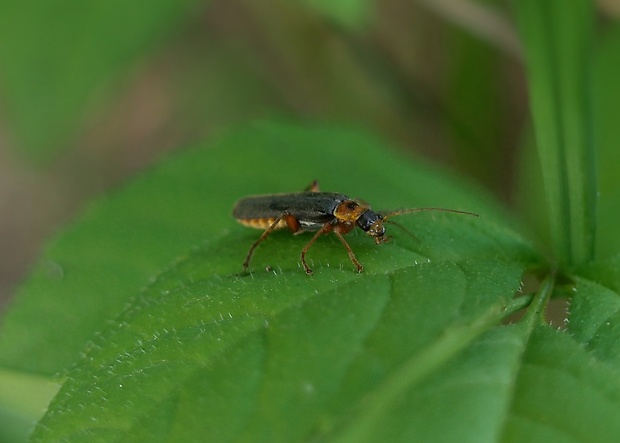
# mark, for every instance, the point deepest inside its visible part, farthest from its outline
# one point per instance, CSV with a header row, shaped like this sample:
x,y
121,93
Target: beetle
x,y
312,210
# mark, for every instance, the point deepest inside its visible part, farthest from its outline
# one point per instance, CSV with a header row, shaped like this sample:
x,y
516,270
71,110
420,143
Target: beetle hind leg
x,y
292,224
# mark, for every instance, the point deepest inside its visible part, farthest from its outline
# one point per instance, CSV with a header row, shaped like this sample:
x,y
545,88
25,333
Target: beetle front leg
x,y
354,259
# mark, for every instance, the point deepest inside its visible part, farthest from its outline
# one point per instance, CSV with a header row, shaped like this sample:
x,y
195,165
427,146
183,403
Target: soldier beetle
x,y
312,210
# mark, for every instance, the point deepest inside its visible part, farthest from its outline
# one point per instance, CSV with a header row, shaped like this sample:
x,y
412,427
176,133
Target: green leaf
x,y
95,269
271,356
89,273
557,46
399,355
562,394
407,407
55,55
606,108
408,350
606,111
595,310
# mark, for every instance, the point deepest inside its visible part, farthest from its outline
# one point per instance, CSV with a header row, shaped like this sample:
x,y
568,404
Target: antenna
x,y
407,211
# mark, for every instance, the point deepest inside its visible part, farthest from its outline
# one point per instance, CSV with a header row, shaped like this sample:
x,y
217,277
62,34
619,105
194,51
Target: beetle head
x,y
372,223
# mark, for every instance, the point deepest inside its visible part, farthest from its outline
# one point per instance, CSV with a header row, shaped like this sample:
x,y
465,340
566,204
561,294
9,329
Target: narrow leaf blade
x,y
557,46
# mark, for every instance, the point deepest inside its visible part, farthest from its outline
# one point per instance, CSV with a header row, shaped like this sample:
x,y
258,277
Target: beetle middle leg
x,y
324,230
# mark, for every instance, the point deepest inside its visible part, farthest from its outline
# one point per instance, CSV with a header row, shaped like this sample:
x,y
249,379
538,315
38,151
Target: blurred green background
x,y
92,92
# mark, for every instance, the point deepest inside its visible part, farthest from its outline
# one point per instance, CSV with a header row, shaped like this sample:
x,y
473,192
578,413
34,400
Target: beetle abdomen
x,y
262,223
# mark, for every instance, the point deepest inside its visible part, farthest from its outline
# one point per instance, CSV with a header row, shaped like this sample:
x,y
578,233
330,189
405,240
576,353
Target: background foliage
x,y
135,313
